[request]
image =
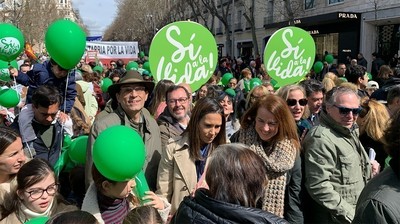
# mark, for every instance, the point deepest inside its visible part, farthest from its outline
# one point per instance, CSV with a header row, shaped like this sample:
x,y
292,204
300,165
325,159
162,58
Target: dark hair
x,y
120,63
312,86
7,137
73,217
143,215
221,96
203,107
356,71
174,88
393,93
45,96
236,162
278,107
31,173
98,179
392,140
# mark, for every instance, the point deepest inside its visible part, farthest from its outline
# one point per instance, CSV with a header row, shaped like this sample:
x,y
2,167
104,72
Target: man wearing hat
x,y
130,93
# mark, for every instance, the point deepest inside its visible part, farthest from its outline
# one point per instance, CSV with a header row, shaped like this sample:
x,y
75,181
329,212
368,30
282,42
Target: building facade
x,y
340,27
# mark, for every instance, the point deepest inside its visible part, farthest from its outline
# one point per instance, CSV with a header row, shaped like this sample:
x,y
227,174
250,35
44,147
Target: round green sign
x,y
183,52
289,55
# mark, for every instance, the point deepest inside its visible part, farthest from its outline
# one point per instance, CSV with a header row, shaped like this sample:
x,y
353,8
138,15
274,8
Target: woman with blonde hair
x,y
255,94
372,123
330,80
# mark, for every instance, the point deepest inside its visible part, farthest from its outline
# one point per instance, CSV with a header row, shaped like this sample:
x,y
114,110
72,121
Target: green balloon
x,y
9,98
318,66
329,58
66,42
146,66
11,42
4,72
38,220
225,78
255,82
141,54
141,186
369,76
132,65
107,82
119,153
77,151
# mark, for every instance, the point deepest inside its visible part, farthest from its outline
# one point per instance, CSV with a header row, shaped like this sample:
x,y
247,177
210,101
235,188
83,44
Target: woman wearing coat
x,y
228,201
183,160
268,127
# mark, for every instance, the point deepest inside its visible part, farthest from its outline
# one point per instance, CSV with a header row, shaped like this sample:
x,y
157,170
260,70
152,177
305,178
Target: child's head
x,y
143,215
37,185
110,188
73,217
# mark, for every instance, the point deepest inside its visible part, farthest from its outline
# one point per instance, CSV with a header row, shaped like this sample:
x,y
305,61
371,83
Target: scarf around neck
x,y
112,210
278,159
29,214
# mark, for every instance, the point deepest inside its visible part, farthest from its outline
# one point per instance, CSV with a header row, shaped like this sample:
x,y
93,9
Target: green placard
x,y
289,55
183,51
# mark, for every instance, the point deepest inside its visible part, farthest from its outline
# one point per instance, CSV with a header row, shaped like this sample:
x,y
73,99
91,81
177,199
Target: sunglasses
x,y
345,110
293,102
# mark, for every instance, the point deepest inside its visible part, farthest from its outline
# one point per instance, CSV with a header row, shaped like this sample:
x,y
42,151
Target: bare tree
x,y
221,10
202,14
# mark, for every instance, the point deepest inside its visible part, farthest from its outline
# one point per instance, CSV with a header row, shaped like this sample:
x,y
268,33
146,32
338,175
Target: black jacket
x,y
203,209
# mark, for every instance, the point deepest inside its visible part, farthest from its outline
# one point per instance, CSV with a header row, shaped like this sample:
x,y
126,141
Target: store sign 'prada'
x,y
347,15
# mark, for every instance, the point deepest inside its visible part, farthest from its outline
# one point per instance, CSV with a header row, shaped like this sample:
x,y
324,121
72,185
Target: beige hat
x,y
130,77
372,85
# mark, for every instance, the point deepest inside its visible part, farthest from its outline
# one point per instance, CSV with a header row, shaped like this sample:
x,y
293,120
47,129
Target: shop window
x,y
308,4
334,1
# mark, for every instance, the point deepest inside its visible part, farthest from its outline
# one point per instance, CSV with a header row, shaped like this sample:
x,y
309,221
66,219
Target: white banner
x,y
113,50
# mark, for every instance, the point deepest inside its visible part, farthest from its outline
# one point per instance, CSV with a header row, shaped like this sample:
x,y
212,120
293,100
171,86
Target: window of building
x,y
309,4
334,1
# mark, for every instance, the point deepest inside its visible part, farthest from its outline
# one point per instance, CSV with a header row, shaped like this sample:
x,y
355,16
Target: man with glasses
x,y
129,94
175,117
336,164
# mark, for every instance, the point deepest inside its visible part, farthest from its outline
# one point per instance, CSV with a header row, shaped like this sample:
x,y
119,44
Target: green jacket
x,y
336,170
151,138
379,202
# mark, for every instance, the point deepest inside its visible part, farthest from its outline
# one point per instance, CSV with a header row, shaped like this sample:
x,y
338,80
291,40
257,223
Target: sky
x,y
96,14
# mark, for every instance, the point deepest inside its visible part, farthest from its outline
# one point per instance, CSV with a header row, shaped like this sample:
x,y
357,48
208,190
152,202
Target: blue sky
x,y
96,14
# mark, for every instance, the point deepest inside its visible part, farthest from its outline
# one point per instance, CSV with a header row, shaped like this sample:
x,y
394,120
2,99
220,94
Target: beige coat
x,y
177,176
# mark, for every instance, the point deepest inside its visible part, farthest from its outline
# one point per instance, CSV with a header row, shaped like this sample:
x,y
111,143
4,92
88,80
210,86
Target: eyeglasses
x,y
130,89
345,110
293,102
181,100
37,193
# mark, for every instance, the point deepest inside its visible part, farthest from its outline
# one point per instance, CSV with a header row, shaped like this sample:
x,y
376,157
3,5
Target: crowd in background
x,y
323,150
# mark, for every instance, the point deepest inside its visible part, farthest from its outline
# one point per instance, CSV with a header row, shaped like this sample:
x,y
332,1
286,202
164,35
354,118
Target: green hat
x,y
231,92
98,68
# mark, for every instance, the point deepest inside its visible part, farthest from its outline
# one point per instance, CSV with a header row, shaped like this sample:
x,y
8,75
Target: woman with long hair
x,y
158,103
12,157
237,180
269,128
372,122
183,160
36,194
228,103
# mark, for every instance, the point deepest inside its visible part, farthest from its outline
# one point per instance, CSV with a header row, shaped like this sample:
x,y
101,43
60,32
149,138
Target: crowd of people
x,y
323,150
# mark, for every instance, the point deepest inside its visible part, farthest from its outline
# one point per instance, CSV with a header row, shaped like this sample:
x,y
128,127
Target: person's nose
x,y
266,127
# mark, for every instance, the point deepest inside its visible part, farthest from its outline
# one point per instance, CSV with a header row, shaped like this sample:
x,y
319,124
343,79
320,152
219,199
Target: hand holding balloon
x,y
153,200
